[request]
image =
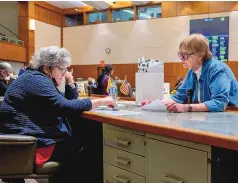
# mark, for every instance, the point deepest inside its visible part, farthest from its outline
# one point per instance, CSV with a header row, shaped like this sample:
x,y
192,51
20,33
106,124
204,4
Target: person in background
x,y
33,106
178,83
102,80
116,78
5,77
209,83
90,86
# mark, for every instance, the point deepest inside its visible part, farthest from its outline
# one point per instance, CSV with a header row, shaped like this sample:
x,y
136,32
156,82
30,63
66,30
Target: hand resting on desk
x,y
164,105
156,105
107,101
172,106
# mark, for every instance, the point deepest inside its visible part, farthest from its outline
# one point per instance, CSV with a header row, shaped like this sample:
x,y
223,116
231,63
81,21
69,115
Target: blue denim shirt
x,y
218,86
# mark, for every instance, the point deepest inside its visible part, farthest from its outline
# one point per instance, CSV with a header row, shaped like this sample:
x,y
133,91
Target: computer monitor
x,y
216,30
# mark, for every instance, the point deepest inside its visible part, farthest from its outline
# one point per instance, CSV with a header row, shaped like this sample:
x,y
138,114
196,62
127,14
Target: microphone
x,y
190,96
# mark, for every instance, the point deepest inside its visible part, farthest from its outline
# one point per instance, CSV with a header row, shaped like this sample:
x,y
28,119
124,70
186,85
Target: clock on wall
x,y
107,50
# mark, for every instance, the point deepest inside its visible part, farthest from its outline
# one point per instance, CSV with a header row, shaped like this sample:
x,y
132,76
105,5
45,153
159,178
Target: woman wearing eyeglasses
x,y
210,84
33,106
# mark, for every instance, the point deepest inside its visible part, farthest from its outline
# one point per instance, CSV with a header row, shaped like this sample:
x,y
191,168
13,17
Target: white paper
x,y
156,66
116,112
146,65
155,105
107,107
127,103
149,86
166,88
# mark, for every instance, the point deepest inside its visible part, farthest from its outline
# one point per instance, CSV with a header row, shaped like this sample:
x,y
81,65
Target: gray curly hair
x,y
4,66
51,56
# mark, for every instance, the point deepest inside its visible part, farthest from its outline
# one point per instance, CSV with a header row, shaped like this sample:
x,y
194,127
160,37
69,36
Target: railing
x,y
11,40
8,30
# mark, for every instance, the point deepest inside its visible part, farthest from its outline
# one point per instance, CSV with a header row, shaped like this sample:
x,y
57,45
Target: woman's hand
x,y
69,79
168,102
145,102
109,101
174,107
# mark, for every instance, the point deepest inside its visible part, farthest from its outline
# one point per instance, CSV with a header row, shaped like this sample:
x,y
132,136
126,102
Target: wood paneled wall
x,y
48,13
26,11
12,52
181,8
171,8
41,11
121,70
171,71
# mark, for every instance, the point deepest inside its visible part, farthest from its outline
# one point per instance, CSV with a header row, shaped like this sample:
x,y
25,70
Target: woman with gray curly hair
x,y
33,106
5,79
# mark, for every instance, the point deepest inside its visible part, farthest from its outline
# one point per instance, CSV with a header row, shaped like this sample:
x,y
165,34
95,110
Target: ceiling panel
x,y
67,4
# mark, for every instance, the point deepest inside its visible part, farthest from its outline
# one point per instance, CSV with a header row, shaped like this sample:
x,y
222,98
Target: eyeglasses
x,y
63,71
184,55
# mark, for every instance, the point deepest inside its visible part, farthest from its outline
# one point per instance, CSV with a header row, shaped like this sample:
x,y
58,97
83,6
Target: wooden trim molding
x,y
117,5
77,10
26,11
169,8
48,16
12,52
182,8
49,6
62,31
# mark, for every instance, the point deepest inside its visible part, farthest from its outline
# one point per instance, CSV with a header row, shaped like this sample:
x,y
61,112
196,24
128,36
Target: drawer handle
x,y
123,160
171,180
122,179
123,142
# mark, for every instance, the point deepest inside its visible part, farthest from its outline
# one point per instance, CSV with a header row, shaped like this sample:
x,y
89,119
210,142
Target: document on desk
x,y
155,105
116,112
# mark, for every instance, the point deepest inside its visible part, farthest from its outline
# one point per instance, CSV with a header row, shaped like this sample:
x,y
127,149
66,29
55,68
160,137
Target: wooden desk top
x,y
215,129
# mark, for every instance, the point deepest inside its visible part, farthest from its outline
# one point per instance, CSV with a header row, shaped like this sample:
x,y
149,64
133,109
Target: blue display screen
x,y
216,30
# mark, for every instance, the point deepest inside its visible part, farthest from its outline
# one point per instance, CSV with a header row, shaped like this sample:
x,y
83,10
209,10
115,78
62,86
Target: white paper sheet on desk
x,y
155,105
116,112
133,103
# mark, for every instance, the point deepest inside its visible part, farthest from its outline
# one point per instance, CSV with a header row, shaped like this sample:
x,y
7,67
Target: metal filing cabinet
x,y
132,156
124,155
176,161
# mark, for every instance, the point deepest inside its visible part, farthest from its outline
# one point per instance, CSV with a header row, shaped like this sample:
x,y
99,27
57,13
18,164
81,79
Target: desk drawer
x,y
173,163
124,129
125,160
113,174
125,141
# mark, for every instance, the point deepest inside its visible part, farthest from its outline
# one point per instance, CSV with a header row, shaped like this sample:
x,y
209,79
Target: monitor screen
x,y
216,30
